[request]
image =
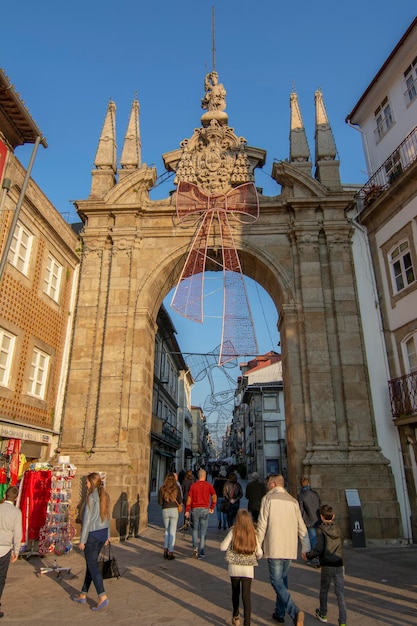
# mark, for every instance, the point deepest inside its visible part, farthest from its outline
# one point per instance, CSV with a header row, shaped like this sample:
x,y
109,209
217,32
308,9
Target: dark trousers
x,y
4,568
93,574
245,584
231,513
335,574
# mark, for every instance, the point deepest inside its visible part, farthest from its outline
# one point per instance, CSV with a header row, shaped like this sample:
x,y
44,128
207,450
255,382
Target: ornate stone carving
x,y
215,159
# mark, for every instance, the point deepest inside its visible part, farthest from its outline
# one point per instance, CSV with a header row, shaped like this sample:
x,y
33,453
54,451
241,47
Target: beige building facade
x,y
299,250
38,282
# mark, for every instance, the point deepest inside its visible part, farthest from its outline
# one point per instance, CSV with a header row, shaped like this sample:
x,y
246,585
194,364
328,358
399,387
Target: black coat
x,y
255,491
329,545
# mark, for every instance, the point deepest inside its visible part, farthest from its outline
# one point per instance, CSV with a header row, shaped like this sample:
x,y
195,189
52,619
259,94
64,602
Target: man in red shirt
x,y
200,502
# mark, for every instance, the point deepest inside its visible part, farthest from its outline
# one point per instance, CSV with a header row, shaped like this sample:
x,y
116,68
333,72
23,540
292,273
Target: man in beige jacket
x,y
280,525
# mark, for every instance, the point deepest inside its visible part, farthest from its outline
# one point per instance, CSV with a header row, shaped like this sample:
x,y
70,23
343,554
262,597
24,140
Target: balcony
x,y
166,433
403,395
397,163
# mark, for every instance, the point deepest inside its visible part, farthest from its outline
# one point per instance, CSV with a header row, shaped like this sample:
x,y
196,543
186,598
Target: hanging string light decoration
x,y
215,187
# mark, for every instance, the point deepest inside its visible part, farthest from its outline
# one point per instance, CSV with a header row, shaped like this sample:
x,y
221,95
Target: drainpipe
x,y
364,143
5,254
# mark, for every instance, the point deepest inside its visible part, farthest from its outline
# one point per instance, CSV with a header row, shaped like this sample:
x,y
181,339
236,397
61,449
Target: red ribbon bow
x,y
238,332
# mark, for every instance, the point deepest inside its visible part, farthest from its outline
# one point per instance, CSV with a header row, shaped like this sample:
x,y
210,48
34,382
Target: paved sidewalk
x,y
381,586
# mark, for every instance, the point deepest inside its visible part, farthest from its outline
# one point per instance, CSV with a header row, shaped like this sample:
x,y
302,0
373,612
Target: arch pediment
x,y
132,187
295,182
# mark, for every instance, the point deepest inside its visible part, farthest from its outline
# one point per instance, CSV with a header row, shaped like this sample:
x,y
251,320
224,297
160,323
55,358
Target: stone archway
x,y
299,250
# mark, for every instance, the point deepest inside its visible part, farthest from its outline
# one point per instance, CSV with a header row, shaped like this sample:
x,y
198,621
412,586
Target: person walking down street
x,y
255,491
170,498
186,484
201,502
309,501
218,485
329,550
279,527
232,493
242,551
10,535
95,533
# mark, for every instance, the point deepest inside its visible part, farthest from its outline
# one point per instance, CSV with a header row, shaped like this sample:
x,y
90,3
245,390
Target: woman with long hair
x,y
170,498
242,551
95,533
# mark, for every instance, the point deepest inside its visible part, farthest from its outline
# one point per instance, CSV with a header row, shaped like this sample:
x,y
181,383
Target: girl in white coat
x,y
242,551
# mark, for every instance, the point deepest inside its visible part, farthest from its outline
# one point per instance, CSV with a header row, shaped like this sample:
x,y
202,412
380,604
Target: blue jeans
x,y
93,574
312,535
221,517
200,524
337,575
278,574
170,519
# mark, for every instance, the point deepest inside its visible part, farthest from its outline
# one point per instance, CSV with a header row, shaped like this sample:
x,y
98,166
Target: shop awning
x,y
16,431
163,453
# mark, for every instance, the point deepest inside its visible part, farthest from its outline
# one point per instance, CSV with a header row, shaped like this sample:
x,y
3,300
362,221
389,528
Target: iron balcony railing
x,y
397,163
403,395
172,435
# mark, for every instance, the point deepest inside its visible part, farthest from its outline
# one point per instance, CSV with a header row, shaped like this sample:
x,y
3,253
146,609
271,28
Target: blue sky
x,y
68,60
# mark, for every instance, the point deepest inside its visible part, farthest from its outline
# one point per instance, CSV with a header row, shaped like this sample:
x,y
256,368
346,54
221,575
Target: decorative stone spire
x,y
299,150
104,176
131,158
327,167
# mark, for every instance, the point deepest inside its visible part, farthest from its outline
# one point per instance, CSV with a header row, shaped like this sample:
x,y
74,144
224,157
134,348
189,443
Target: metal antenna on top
x,y
213,49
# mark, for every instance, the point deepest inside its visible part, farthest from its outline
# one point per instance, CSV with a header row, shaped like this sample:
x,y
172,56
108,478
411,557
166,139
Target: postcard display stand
x,y
55,536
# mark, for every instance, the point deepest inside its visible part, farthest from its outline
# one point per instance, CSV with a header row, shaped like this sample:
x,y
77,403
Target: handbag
x,y
179,504
225,506
109,567
236,558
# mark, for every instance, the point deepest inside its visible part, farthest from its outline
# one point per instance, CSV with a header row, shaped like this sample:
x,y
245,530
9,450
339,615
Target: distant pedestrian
x,y
280,525
309,501
242,551
170,498
329,550
201,502
186,484
255,491
218,485
232,493
10,534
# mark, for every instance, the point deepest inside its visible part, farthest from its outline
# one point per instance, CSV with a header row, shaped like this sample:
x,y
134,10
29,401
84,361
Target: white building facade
x,y
385,245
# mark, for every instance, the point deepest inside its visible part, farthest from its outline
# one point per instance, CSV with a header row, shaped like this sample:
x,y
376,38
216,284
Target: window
x,y
38,374
270,402
383,118
411,352
20,248
410,76
7,342
401,267
53,278
271,433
